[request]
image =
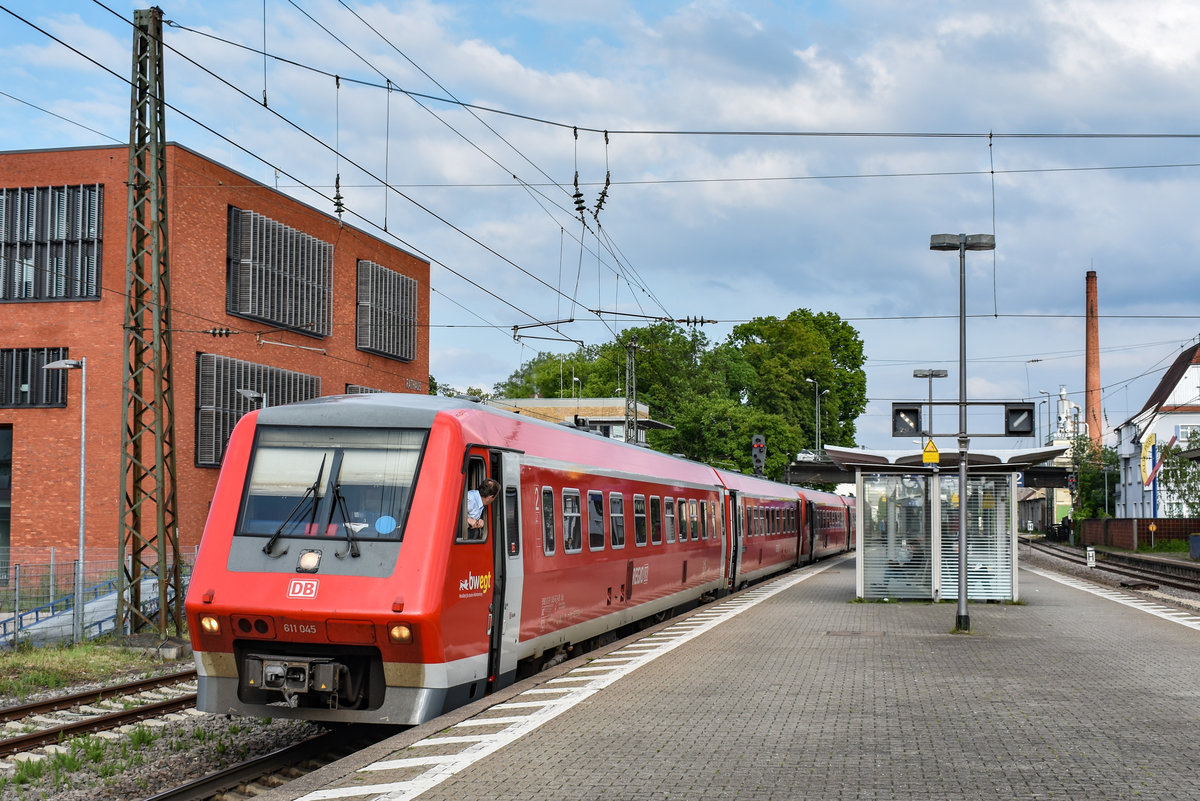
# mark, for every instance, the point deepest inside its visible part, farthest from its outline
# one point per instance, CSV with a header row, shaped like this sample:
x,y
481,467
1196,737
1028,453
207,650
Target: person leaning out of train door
x,y
478,499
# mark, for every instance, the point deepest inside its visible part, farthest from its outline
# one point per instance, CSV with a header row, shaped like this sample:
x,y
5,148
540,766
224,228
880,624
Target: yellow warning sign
x,y
930,455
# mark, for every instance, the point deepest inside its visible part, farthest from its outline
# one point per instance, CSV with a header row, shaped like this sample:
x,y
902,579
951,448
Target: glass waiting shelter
x,y
908,522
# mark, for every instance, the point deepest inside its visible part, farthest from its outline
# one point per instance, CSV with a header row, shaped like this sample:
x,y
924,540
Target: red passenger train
x,y
337,579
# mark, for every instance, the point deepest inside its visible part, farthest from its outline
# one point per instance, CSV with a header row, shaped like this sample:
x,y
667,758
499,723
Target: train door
x,y
809,529
504,615
736,531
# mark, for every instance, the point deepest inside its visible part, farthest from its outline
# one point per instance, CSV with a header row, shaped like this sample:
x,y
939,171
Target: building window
x,y
387,312
359,389
219,404
278,275
50,242
23,382
6,442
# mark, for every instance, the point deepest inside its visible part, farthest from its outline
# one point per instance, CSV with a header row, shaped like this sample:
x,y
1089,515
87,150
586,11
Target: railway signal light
x,y
906,419
758,453
1018,419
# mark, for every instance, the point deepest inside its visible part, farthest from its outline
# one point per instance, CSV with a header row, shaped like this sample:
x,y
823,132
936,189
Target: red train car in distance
x,y
337,579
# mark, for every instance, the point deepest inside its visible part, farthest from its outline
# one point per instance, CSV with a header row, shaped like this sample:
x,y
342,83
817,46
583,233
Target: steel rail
x,y
92,696
49,736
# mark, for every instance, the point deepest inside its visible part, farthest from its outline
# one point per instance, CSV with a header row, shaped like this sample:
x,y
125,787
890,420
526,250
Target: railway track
x,y
1136,572
87,712
255,776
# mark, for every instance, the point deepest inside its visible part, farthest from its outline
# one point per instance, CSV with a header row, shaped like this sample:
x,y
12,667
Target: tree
x,y
1179,479
780,355
718,397
1096,478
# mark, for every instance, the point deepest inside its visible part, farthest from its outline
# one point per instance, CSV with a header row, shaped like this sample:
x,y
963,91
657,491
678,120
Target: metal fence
x,y
38,594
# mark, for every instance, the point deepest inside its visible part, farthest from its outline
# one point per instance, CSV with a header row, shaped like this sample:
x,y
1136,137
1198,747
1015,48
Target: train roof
x,y
486,425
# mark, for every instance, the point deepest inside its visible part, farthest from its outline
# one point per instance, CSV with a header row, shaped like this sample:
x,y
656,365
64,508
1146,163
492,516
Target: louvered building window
x,y
278,275
228,388
359,389
51,242
23,382
387,312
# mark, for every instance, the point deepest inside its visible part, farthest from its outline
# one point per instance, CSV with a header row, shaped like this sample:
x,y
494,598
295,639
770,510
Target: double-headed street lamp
x,y
80,364
817,393
930,374
962,243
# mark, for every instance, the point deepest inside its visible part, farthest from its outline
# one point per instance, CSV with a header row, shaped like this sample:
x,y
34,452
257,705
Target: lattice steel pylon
x,y
149,537
631,434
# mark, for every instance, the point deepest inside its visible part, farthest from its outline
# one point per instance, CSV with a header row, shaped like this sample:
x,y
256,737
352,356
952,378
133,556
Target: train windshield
x,y
344,483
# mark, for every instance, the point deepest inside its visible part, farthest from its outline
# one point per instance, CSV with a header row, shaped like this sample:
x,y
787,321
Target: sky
x,y
761,157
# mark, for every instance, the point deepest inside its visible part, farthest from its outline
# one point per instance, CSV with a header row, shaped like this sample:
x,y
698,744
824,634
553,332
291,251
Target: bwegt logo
x,y
473,583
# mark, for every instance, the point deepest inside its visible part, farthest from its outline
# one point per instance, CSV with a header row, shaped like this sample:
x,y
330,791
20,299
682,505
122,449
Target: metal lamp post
x,y
930,374
817,393
80,364
962,243
1048,395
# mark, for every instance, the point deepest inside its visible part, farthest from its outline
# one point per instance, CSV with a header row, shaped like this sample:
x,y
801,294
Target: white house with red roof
x,y
1171,415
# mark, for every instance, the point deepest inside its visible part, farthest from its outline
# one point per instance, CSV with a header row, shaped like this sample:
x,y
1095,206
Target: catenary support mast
x,y
149,535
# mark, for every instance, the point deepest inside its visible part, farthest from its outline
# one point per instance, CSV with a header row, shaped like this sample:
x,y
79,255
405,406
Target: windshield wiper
x,y
310,492
339,502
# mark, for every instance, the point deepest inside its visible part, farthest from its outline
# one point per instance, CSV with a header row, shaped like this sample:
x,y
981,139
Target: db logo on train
x,y
302,588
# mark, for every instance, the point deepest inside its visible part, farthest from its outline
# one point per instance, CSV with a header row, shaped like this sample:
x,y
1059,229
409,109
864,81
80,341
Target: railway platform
x,y
791,690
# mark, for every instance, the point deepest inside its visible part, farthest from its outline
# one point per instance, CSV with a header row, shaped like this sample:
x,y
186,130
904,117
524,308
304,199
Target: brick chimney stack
x,y
1092,380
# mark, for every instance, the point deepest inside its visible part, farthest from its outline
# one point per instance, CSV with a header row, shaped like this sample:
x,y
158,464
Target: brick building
x,y
271,301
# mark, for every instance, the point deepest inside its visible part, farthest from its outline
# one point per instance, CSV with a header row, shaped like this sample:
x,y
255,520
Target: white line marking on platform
x,y
403,791
1150,607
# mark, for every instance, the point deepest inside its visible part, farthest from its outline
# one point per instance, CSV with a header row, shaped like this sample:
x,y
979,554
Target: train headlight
x,y
210,625
400,633
308,562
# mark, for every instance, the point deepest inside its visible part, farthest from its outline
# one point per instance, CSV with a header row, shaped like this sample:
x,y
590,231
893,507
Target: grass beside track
x,y
25,671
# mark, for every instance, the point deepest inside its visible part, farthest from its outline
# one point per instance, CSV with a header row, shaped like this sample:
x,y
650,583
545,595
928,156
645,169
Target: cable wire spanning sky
x,y
572,169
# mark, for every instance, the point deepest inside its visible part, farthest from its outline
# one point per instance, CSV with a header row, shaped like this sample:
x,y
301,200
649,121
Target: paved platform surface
x,y
793,691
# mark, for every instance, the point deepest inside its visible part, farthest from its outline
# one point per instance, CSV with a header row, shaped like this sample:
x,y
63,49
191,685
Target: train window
x,y
616,519
749,521
670,519
476,474
512,542
639,519
572,524
655,520
704,520
548,540
694,516
331,482
595,520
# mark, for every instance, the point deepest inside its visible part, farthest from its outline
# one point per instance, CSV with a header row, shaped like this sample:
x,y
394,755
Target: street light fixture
x,y
81,365
817,393
1048,395
930,374
962,243
254,395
